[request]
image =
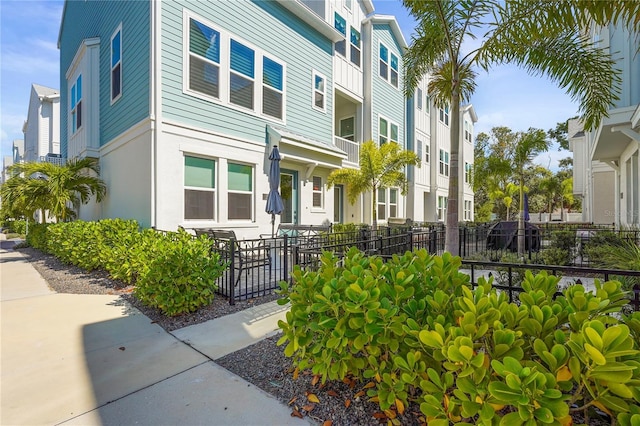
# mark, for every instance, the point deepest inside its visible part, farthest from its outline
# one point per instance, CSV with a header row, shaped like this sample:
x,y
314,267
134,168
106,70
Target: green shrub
x,y
37,237
17,226
180,275
415,331
556,256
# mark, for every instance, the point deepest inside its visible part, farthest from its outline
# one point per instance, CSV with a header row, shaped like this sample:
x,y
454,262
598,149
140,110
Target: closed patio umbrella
x,y
274,200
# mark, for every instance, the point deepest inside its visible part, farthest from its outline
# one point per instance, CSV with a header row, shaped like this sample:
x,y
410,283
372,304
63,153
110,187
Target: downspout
x,y
154,104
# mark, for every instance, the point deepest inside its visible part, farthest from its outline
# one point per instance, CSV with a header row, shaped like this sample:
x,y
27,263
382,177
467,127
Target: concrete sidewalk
x,y
92,360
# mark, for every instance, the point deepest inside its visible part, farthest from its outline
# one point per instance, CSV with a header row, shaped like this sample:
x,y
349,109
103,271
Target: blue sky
x,y
506,96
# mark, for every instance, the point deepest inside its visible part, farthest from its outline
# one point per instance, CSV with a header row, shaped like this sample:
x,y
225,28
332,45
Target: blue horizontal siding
x,y
88,19
269,27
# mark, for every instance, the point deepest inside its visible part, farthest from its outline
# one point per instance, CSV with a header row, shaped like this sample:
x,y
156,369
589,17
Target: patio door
x,y
289,193
338,204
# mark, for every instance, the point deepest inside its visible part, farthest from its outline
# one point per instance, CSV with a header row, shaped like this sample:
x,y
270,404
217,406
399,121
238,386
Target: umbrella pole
x,y
273,224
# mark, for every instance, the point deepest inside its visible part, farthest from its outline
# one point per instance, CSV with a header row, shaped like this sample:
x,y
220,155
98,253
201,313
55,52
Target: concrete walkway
x,y
95,360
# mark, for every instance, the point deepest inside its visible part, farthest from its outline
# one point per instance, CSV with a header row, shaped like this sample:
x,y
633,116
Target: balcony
x,y
59,161
351,148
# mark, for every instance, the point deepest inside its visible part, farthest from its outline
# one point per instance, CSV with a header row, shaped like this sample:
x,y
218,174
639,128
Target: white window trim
x,y
118,30
388,135
359,66
390,203
345,36
315,73
388,63
467,173
235,191
321,192
419,96
444,116
427,153
467,131
383,204
467,210
74,82
446,162
225,71
442,208
216,204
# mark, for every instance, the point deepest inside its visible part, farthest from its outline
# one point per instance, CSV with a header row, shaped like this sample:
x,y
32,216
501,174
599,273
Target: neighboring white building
x,y
606,160
430,139
42,127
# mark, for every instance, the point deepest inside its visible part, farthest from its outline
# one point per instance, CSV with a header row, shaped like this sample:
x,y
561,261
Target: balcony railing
x,y
59,161
351,148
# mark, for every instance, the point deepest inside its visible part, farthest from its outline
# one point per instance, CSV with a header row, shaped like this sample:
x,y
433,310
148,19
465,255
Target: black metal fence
x,y
257,266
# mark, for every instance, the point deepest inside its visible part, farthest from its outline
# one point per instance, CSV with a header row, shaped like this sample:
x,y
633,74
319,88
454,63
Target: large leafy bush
x,y
415,330
172,271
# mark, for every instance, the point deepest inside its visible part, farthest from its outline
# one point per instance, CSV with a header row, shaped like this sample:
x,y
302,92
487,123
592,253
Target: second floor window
x,y
467,131
116,65
387,131
355,46
319,91
388,68
222,68
444,115
426,153
76,105
467,173
419,98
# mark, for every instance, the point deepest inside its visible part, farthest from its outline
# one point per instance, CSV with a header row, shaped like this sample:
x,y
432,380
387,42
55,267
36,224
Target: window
x,y
76,105
444,162
444,115
382,204
340,24
467,173
442,207
116,65
272,91
427,102
467,131
199,188
355,46
394,70
419,98
388,68
384,62
219,67
240,202
204,59
242,75
427,150
467,210
393,202
318,192
419,149
347,128
347,4
387,131
319,91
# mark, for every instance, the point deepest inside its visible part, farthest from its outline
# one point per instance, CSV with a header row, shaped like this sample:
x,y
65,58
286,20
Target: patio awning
x,y
301,149
614,135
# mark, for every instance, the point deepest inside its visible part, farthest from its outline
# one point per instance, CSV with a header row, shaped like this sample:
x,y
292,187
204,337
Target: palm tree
x,y
380,167
552,188
542,36
528,145
50,187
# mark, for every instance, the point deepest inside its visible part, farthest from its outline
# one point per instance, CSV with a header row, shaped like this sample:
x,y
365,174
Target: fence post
x,y
286,259
636,298
433,241
410,240
232,271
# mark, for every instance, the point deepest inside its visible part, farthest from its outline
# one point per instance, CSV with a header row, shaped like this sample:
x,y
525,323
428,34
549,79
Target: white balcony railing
x,y
351,148
60,161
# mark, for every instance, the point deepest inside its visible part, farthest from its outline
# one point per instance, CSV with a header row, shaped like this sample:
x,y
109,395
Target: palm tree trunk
x,y
374,207
452,236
